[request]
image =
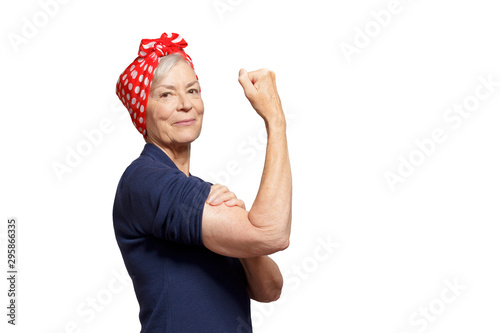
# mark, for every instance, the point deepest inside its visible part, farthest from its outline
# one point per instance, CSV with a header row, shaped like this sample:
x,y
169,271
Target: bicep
x,y
228,231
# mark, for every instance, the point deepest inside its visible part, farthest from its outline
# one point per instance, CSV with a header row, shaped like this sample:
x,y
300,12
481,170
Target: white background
x,y
349,123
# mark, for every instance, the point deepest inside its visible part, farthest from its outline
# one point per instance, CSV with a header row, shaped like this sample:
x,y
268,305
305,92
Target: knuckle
x,y
268,72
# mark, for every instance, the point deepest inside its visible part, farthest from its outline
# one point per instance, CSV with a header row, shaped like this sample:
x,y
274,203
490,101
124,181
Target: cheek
x,y
200,107
156,117
160,111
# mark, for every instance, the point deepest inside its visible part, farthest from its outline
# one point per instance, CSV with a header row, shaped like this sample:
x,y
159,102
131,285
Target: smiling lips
x,y
185,122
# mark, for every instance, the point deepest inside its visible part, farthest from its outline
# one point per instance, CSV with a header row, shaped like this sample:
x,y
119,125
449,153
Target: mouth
x,y
185,122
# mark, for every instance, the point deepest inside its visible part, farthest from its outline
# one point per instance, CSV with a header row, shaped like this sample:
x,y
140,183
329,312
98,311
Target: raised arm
x,y
265,229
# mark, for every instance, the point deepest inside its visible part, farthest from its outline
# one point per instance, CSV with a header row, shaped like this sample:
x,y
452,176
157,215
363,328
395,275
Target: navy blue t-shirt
x,y
180,285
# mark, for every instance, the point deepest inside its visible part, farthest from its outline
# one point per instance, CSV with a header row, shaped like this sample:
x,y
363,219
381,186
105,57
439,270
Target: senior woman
x,y
195,254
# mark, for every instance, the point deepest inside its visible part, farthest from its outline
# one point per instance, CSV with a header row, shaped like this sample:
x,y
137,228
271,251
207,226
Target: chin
x,y
189,137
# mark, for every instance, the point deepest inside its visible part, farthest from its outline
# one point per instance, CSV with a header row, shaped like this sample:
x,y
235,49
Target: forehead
x,y
179,74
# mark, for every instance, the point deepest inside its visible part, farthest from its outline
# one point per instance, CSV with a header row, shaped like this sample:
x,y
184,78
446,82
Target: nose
x,y
184,103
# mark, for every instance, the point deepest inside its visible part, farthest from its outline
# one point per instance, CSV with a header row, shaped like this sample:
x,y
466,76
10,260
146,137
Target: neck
x,y
179,154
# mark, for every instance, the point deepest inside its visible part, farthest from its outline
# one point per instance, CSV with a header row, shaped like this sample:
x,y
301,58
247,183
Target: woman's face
x,y
174,111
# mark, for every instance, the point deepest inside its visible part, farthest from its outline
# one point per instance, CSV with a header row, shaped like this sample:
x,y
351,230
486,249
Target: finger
x,y
240,204
261,75
215,190
255,76
218,188
230,202
216,193
223,197
235,202
245,82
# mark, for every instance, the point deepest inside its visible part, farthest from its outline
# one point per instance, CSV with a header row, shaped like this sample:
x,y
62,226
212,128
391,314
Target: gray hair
x,y
165,64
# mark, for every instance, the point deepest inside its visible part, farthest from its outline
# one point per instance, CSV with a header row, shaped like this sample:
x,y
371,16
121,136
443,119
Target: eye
x,y
165,94
193,91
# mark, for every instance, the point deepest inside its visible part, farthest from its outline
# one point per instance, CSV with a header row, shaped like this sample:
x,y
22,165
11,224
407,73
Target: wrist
x,y
276,121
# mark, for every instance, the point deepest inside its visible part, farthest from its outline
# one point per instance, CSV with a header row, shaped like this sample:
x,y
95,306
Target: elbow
x,y
271,292
275,237
272,297
276,295
275,245
283,243
266,245
279,241
276,292
283,239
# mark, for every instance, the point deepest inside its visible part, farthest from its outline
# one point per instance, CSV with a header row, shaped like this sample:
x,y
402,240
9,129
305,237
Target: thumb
x,y
245,82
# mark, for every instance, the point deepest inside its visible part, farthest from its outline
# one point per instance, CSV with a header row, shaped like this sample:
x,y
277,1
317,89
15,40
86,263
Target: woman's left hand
x,y
220,194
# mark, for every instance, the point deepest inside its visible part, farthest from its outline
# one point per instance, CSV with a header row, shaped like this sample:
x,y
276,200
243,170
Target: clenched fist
x,y
260,89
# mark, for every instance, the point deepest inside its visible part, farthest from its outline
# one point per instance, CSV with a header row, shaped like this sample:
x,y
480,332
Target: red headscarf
x,y
134,83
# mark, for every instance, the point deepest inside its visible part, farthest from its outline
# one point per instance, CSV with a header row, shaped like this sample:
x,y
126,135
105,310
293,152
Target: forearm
x,y
264,279
272,208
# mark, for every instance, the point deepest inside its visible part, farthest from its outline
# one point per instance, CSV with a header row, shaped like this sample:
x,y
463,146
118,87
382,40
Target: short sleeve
x,y
163,202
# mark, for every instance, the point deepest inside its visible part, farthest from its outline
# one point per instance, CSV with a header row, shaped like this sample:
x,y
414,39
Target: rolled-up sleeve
x,y
162,202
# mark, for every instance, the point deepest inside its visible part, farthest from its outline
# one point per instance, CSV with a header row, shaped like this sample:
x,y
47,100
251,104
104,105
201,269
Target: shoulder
x,y
152,175
146,172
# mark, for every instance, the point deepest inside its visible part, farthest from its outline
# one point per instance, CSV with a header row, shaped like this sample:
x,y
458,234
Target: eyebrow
x,y
173,88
